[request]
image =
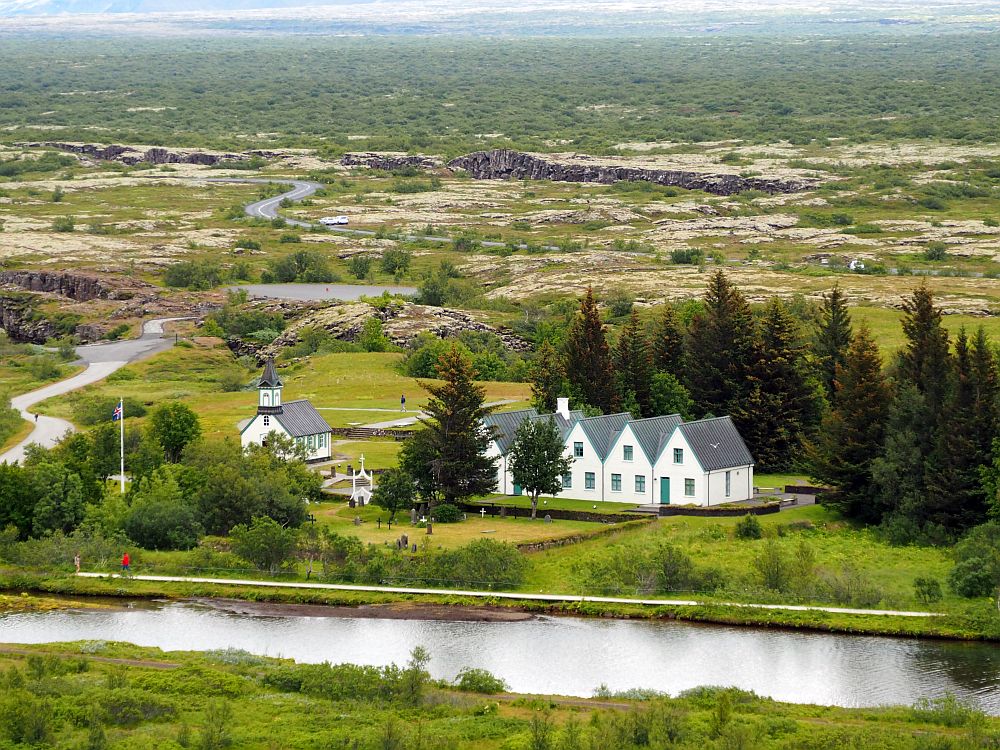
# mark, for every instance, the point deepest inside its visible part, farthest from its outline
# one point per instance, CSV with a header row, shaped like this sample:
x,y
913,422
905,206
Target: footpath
x,y
510,595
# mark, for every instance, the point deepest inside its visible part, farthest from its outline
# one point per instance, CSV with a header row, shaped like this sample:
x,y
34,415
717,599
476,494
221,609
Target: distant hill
x,y
68,7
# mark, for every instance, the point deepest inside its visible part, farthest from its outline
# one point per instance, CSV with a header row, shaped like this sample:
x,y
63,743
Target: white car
x,y
330,221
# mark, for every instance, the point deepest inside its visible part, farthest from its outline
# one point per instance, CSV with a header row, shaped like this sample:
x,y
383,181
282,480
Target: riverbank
x,y
970,626
125,694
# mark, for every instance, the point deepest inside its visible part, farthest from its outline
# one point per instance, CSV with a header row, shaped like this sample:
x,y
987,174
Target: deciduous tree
x,y
536,461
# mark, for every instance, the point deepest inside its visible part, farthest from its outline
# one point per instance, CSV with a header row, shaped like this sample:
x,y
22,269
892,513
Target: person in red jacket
x,y
125,563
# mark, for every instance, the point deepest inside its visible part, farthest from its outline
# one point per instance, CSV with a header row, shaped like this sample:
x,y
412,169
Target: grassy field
x,y
129,696
339,517
854,557
194,374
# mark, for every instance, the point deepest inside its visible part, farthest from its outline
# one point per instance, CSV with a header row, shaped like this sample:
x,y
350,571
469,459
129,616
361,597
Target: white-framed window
x,y
589,481
688,488
678,455
310,442
627,452
640,483
578,450
567,481
267,421
729,485
616,482
266,395
321,441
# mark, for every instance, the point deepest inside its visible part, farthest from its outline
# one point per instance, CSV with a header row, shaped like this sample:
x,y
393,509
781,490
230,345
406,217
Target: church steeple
x,y
269,390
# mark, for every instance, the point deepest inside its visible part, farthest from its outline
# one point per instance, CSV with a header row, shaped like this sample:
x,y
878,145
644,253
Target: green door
x,y
665,490
517,489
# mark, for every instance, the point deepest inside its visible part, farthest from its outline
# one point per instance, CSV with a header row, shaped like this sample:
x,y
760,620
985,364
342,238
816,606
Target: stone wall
x,y
389,162
152,155
507,164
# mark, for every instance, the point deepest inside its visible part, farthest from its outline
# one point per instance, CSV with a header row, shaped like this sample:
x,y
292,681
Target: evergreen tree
x,y
925,360
954,489
853,431
548,378
588,358
633,366
833,338
456,441
898,471
720,350
537,460
986,390
668,342
782,407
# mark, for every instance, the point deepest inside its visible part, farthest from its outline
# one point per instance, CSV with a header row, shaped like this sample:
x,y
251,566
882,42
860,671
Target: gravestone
x,y
357,520
413,549
503,511
548,518
405,539
413,516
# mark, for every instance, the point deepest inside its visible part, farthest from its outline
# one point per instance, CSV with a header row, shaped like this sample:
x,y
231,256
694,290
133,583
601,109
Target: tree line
x,y
909,445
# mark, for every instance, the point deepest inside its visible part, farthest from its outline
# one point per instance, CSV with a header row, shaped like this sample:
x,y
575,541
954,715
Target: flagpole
x,y
121,443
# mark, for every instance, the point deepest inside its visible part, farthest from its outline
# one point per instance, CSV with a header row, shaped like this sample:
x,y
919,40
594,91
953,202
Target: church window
x,y
267,421
267,398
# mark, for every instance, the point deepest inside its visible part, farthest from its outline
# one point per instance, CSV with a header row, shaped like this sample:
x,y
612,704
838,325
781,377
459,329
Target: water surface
x,y
565,656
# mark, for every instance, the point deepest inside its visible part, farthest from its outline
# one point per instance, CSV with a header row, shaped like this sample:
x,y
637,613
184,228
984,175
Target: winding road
x,y
268,209
100,360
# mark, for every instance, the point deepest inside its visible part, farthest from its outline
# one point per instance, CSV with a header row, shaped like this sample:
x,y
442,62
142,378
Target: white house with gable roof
x,y
297,420
616,458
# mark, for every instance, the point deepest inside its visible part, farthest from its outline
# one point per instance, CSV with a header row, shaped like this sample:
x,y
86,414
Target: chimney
x,y
562,407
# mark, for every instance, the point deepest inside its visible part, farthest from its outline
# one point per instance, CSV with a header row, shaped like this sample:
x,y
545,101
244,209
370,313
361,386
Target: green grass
x,y
559,503
267,704
836,544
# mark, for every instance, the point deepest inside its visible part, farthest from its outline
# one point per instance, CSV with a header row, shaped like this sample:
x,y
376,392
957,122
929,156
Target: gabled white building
x,y
661,460
297,420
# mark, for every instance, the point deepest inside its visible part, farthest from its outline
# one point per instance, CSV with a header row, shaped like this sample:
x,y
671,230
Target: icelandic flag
x,y
118,413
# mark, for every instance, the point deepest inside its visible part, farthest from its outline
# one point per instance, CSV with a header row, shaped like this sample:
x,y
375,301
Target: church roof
x,y
300,418
602,430
653,432
716,443
270,376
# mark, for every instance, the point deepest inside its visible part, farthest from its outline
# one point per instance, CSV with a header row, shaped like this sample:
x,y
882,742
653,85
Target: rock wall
x,y
75,286
18,319
507,164
154,155
388,162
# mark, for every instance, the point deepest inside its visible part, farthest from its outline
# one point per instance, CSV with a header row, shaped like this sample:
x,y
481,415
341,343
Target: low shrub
x,y
748,527
471,680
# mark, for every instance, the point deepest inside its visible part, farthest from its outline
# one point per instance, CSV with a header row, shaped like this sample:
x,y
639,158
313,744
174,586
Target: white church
x,y
297,420
661,460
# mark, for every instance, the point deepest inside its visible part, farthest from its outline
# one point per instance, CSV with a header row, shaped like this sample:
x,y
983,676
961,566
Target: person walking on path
x,y
125,563
402,402
76,561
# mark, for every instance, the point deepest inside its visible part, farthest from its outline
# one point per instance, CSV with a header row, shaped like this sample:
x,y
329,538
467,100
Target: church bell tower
x,y
269,390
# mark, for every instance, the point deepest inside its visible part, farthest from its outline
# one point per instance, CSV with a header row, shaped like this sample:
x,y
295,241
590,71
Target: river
x,y
564,655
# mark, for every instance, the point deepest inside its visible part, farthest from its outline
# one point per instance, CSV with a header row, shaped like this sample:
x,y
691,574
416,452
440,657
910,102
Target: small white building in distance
x,y
661,460
298,420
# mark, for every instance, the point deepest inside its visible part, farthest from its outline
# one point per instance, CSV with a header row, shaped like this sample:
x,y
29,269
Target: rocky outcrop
x,y
402,322
506,164
153,155
20,320
389,162
75,286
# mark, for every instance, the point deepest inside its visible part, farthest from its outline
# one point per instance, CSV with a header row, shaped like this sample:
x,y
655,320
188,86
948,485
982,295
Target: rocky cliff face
x,y
507,164
19,320
401,322
155,155
75,286
388,162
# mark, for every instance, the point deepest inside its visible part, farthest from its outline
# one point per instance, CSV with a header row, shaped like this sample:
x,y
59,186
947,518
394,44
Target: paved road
x,y
268,209
512,595
100,360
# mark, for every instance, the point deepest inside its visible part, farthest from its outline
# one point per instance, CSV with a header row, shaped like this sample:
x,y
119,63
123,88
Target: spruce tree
x,y
925,360
986,390
548,378
633,366
668,342
720,350
898,471
588,358
955,497
833,337
852,432
455,439
783,404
